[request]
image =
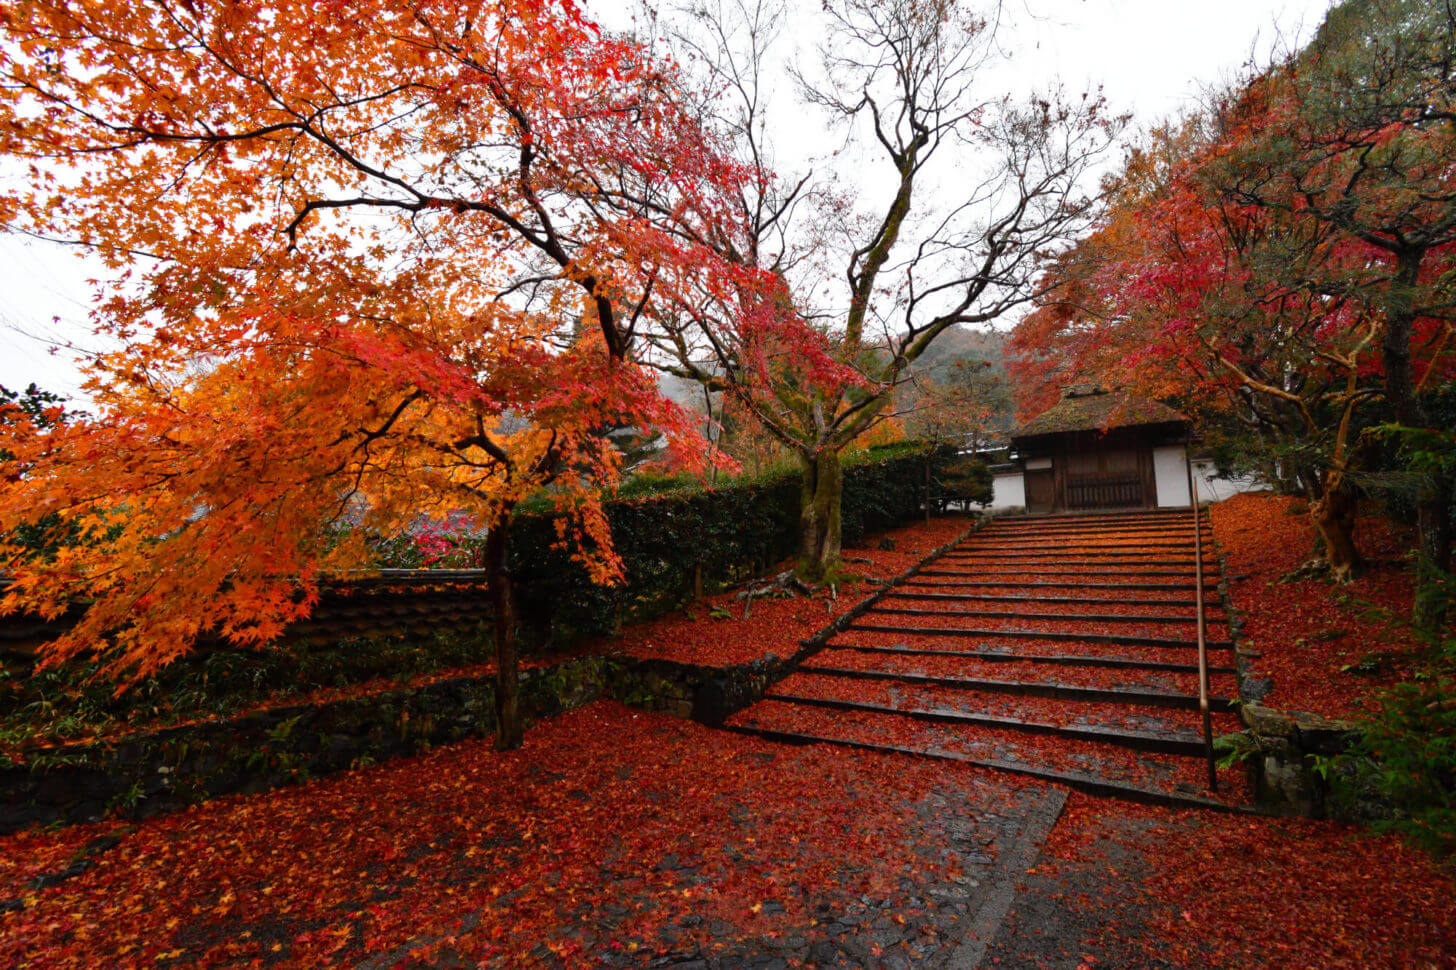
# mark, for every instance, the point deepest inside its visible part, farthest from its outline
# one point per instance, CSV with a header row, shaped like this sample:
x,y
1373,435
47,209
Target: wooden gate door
x,y
1040,490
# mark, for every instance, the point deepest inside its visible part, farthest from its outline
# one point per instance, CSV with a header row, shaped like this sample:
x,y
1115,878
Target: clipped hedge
x,y
729,532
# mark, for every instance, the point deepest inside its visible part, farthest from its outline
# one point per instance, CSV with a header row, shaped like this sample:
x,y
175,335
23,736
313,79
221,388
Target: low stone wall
x,y
1288,748
168,768
1284,749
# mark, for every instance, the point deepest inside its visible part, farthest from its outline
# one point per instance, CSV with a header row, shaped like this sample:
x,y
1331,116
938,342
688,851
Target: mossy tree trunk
x,y
820,516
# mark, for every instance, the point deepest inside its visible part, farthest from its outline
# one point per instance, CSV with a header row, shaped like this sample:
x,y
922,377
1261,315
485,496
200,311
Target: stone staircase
x,y
1060,647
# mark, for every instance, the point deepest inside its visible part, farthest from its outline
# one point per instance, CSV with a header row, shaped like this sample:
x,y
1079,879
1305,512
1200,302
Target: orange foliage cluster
x,y
377,261
1312,634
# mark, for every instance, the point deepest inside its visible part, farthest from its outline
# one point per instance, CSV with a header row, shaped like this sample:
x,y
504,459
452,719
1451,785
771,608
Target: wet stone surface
x,y
937,918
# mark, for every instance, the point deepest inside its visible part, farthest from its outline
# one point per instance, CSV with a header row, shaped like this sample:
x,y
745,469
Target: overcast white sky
x,y
1152,58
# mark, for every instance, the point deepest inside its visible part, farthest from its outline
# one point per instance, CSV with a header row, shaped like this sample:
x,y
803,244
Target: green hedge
x,y
733,531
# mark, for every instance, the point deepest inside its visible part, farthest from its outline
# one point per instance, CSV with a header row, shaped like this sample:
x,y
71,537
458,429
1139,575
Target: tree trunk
x,y
1433,520
1333,515
819,516
1433,503
508,730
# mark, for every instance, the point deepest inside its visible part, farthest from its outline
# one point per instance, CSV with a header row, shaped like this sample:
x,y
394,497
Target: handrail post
x,y
1203,706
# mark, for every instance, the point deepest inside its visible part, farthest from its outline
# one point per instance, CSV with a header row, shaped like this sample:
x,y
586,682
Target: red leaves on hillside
x,y
1310,632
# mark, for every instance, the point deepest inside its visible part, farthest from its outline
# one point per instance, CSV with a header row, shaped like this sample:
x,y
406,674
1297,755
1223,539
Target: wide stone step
x,y
1082,781
1057,690
1106,573
1167,551
1154,662
1155,741
1055,617
1090,602
1025,634
1190,588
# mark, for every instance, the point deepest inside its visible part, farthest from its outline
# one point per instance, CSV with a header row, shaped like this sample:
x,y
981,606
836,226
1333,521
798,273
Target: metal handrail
x,y
1203,706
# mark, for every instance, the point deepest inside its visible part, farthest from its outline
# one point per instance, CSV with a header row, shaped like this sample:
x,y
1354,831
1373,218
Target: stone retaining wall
x,y
169,768
1284,749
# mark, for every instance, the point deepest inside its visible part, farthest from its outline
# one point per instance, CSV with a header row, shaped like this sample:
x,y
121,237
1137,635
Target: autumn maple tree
x,y
1283,260
374,261
969,188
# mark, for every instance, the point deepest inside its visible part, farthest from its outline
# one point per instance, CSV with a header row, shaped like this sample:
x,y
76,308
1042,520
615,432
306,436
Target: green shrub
x,y
1406,758
730,532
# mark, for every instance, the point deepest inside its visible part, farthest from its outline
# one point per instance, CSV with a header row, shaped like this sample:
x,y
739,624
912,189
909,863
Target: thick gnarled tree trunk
x,y
819,516
1333,515
508,728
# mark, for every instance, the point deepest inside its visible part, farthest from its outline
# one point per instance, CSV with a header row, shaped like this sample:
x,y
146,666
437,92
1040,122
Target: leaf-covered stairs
x,y
1061,647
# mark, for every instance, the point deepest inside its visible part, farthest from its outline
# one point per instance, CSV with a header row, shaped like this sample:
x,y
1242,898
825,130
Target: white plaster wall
x,y
1008,491
1172,479
1171,475
1212,489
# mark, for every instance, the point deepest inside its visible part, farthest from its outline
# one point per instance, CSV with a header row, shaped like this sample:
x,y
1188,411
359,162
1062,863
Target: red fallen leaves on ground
x,y
1042,710
1153,771
1307,636
610,827
1236,891
1016,670
776,625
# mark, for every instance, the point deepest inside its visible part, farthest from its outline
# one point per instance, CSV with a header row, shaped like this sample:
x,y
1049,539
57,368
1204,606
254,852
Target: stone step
x,y
1081,781
1058,659
1191,604
1189,587
1039,635
1053,617
1154,741
1070,552
1056,690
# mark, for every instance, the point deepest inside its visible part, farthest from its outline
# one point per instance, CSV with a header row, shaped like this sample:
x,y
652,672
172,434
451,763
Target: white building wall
x,y
1170,472
1008,490
1171,475
1212,489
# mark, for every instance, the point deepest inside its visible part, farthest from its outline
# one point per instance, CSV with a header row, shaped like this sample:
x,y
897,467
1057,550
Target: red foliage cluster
x,y
1311,634
1235,891
608,828
776,625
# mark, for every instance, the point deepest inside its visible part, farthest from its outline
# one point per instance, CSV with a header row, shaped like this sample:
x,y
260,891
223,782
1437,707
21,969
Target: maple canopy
x,y
375,260
1284,260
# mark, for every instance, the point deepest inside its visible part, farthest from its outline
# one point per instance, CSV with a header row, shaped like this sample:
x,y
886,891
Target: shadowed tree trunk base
x,y
1333,515
508,730
1433,522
